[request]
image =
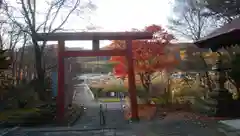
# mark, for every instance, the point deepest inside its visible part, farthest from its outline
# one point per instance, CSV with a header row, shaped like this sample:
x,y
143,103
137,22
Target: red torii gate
x,y
95,37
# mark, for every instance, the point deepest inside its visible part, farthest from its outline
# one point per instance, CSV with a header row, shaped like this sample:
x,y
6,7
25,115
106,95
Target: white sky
x,y
116,15
122,15
127,14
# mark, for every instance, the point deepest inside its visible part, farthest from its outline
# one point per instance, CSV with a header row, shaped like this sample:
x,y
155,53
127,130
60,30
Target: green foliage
x,y
190,92
5,62
29,116
235,96
207,107
22,95
109,99
116,88
103,66
160,100
96,91
5,80
7,114
141,92
235,72
121,88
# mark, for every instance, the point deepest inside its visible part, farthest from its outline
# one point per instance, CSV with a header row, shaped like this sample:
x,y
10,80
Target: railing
x,y
102,117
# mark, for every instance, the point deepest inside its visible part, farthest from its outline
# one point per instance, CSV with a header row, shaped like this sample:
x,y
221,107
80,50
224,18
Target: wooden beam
x,y
94,36
87,53
131,82
95,45
60,94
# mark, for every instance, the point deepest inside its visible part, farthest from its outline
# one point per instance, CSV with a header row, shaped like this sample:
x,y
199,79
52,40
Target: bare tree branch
x,y
26,15
47,17
55,16
26,23
66,18
190,21
63,22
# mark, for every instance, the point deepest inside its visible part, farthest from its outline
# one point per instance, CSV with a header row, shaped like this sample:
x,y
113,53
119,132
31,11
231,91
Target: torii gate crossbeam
x,y
95,37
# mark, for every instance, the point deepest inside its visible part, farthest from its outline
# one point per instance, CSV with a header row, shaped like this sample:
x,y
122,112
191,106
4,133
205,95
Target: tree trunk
x,y
14,61
169,91
206,74
145,80
237,87
21,63
40,84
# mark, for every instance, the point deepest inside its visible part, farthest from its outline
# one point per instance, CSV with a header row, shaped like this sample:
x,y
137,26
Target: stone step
x,y
228,130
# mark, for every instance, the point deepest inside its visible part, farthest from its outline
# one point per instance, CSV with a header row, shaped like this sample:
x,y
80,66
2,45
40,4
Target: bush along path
x,y
40,116
28,117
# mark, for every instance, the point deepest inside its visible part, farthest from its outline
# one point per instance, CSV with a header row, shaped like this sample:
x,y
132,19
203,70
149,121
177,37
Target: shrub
x,y
159,100
115,88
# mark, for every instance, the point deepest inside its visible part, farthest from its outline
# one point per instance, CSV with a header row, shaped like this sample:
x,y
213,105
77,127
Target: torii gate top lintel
x,y
93,36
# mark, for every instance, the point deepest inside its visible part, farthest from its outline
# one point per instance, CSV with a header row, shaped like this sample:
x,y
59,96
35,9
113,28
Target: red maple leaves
x,y
153,28
148,55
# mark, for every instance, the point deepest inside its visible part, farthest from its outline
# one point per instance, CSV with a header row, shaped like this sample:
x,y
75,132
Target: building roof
x,y
224,36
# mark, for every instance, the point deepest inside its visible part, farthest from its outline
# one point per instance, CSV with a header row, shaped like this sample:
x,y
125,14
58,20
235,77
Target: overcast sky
x,y
122,15
119,15
126,14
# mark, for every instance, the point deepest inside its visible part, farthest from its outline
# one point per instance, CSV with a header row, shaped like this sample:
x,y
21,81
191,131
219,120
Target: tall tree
x,y
49,18
223,9
188,20
10,37
192,23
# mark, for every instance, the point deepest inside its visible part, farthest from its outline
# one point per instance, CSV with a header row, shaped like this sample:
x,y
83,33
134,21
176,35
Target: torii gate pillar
x,y
61,77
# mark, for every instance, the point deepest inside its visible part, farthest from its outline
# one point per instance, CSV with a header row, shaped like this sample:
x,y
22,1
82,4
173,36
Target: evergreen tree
x,y
5,60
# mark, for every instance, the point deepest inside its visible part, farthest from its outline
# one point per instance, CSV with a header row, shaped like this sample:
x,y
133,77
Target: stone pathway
x,y
91,118
230,127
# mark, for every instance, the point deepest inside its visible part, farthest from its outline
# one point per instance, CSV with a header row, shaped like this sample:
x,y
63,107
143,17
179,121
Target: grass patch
x,y
27,117
156,100
159,100
109,99
5,115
